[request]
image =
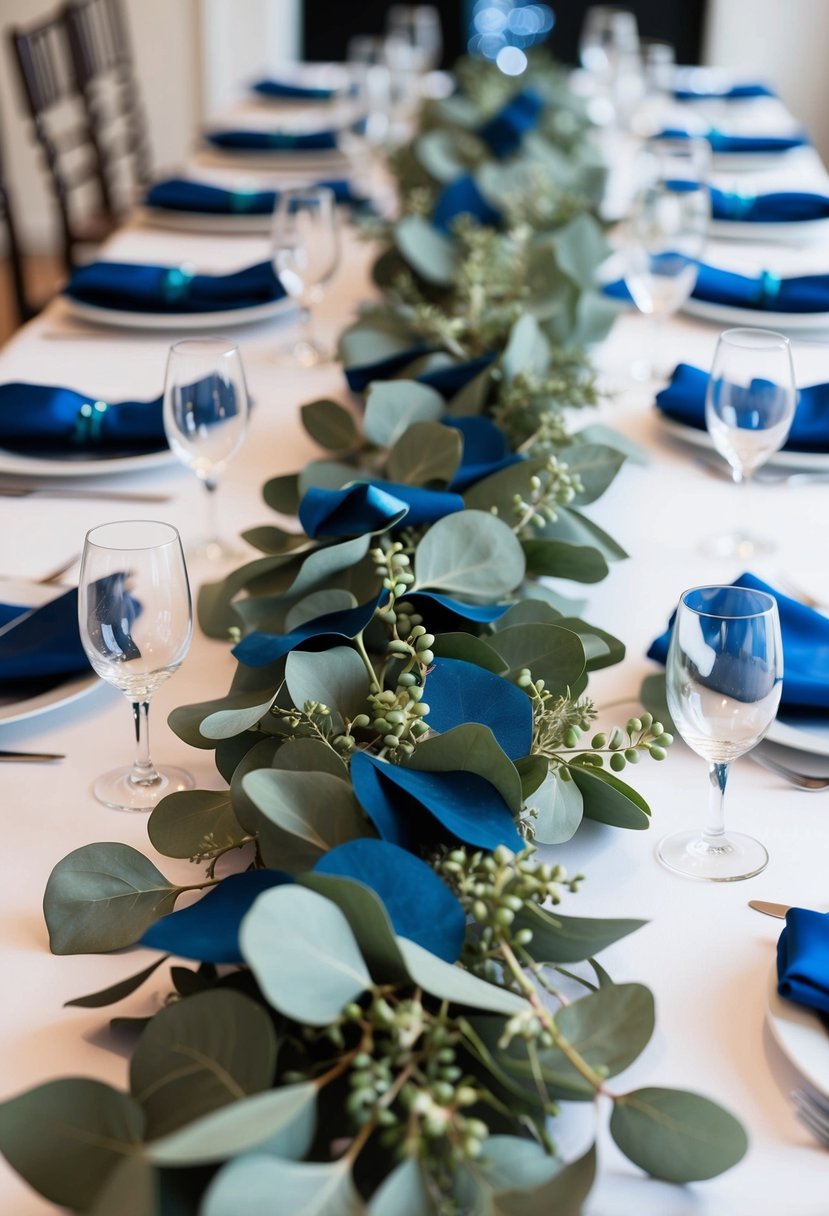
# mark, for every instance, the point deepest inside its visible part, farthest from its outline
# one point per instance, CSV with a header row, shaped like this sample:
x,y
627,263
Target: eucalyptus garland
x,y
386,1008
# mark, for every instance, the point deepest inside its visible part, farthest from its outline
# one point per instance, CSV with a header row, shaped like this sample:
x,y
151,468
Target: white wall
x,y
783,41
243,40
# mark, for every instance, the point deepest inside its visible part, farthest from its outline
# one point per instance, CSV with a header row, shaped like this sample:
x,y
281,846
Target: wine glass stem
x,y
143,770
714,832
211,485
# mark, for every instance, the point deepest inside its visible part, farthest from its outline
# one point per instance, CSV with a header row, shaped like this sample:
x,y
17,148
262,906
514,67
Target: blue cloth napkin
x,y
273,141
720,142
463,197
735,92
44,646
504,132
286,90
166,289
40,418
802,294
805,649
181,194
684,401
803,959
780,208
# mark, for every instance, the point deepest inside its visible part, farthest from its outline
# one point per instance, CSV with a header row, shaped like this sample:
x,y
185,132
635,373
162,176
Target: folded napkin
x,y
720,142
684,401
802,294
273,141
463,197
287,90
803,959
166,289
181,194
44,645
780,208
41,418
805,649
504,132
735,92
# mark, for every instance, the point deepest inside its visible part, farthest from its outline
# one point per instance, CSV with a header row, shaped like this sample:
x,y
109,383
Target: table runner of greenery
x,y
386,1007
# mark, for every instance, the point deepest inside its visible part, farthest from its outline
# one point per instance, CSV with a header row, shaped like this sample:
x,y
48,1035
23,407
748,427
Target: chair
x,y
13,251
102,59
63,130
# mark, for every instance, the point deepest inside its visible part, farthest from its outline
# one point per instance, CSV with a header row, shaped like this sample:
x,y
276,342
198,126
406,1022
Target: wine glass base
x,y
734,858
118,791
215,550
303,353
742,545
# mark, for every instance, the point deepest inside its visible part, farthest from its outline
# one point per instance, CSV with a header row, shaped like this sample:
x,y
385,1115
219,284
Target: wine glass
x,y
724,680
749,407
665,237
136,623
419,26
306,250
609,53
206,410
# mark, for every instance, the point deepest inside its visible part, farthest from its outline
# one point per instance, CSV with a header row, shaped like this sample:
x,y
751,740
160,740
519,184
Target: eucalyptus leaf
x,y
533,771
570,939
330,425
472,398
528,612
369,921
515,1163
192,823
605,435
274,540
470,748
215,603
551,653
438,153
452,983
278,1121
580,248
527,351
312,812
571,526
282,493
132,1189
560,559
472,554
336,677
564,1194
186,721
498,490
325,564
601,649
66,1137
432,256
267,1186
596,465
230,721
609,1028
318,967
116,992
200,1054
318,603
469,649
326,475
392,406
676,1135
426,452
558,807
102,897
309,755
653,695
610,800
403,1192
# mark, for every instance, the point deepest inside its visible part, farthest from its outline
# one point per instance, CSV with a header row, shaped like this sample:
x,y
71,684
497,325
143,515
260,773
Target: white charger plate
x,y
34,595
802,232
16,465
120,318
751,162
806,462
800,1036
810,735
203,221
762,318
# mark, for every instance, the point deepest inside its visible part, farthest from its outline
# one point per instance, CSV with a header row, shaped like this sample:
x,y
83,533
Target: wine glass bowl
x,y
724,681
305,254
136,622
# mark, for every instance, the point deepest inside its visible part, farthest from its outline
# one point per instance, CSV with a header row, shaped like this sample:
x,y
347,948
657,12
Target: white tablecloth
x,y
706,956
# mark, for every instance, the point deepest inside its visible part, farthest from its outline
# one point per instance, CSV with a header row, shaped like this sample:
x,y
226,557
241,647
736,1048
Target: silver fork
x,y
801,780
813,1112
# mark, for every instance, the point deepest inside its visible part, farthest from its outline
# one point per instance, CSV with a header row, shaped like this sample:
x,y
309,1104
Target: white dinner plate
x,y
317,163
802,232
795,461
752,162
809,735
764,318
800,1035
205,221
68,690
120,318
13,464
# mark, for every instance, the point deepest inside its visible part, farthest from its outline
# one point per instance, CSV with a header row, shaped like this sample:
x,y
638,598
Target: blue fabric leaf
x,y
446,615
459,692
504,132
450,379
420,906
359,376
485,450
349,512
209,930
257,648
463,197
463,804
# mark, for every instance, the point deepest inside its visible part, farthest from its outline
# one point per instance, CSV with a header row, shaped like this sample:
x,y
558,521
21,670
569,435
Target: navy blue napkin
x,y
802,294
780,208
463,197
42,418
805,649
684,401
286,90
166,289
273,141
504,132
803,959
44,646
735,92
720,142
181,194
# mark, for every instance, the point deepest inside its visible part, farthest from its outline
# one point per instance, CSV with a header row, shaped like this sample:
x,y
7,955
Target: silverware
x,y
31,757
813,1112
765,476
801,780
54,575
761,905
27,489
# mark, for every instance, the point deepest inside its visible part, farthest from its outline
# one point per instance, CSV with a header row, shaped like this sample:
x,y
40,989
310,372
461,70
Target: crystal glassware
x,y
305,252
136,622
418,25
749,407
206,411
724,680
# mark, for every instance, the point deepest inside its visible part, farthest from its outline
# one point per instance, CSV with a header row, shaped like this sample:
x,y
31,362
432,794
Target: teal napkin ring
x,y
242,200
89,422
768,289
176,284
738,206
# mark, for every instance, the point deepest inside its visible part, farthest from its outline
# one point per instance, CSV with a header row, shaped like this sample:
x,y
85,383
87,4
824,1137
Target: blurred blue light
x,y
511,61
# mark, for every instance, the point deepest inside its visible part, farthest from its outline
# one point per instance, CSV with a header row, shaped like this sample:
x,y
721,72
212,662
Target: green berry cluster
x,y
641,735
552,487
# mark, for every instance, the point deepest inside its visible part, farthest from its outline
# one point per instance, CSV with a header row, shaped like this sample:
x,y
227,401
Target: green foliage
x,y
676,1135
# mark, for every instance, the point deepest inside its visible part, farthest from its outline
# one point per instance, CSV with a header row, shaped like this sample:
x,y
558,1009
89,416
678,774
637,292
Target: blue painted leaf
x,y
420,906
209,930
459,692
485,450
425,506
257,649
452,610
463,804
350,512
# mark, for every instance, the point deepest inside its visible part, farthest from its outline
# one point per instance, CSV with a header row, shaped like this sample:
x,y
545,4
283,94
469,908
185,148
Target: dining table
x,y
707,956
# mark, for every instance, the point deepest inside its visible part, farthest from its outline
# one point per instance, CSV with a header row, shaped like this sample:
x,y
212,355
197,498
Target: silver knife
x,y
760,905
30,757
25,491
